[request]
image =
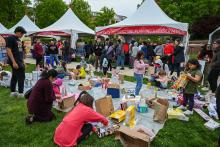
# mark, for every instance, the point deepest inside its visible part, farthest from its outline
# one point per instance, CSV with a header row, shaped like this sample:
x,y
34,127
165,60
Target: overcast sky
x,y
121,7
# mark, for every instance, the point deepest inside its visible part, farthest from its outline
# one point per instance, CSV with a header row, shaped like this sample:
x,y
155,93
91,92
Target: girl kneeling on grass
x,y
75,126
195,77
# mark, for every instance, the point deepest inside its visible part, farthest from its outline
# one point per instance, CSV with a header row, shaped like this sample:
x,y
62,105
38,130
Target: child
x,y
104,62
62,70
81,73
160,64
162,80
83,62
195,77
139,71
75,126
56,88
5,78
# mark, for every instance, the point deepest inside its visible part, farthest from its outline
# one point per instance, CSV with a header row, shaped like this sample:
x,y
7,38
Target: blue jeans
x,y
139,79
54,57
121,61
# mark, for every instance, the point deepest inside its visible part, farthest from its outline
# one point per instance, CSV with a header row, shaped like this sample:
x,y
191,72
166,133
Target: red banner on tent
x,y
53,33
142,30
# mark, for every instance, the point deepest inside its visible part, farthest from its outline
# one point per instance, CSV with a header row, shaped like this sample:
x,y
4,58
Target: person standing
x,y
110,55
214,67
66,51
120,55
168,51
38,52
159,49
53,52
139,71
178,57
16,61
134,52
98,52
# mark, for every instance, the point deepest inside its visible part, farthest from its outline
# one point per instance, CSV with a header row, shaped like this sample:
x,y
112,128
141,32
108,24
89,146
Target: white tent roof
x,y
69,22
149,14
3,29
27,24
211,38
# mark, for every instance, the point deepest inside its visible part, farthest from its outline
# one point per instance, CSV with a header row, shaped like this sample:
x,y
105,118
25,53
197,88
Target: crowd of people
x,y
165,58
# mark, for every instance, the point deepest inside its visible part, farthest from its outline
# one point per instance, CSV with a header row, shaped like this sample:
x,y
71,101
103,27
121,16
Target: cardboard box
x,y
105,106
67,102
132,138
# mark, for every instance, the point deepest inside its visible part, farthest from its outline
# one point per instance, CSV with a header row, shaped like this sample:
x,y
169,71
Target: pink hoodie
x,y
139,67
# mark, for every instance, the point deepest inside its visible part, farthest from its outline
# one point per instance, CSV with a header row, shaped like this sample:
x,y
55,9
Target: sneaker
x,y
29,119
20,95
188,112
13,94
122,68
181,107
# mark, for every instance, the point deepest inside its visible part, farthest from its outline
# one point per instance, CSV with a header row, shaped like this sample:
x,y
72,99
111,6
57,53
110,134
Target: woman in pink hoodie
x,y
75,126
139,71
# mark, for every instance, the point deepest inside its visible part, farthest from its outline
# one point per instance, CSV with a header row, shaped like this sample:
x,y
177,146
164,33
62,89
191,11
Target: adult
x,y
178,57
214,67
16,61
120,54
134,52
150,53
66,51
139,71
41,98
159,49
107,41
98,52
144,49
110,55
126,49
88,48
53,52
168,52
38,52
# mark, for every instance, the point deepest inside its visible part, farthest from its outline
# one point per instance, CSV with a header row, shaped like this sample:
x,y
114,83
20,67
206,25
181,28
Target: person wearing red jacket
x,y
75,126
38,52
168,52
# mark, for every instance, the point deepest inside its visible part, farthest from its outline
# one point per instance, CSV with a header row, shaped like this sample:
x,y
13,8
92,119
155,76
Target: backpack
x,y
105,62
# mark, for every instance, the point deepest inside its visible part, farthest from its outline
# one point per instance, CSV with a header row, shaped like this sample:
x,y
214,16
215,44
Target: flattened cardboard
x,y
105,106
132,138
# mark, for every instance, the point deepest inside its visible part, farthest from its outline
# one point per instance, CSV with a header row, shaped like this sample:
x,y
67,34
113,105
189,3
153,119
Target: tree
x,y
49,11
12,11
105,17
82,9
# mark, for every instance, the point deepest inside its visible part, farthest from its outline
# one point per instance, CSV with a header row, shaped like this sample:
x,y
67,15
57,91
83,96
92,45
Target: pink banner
x,y
142,30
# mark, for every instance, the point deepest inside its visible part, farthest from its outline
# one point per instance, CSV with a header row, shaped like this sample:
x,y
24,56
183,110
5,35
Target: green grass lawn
x,y
15,133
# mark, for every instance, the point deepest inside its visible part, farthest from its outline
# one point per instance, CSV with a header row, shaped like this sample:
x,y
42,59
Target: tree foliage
x,y
105,17
11,11
49,11
82,9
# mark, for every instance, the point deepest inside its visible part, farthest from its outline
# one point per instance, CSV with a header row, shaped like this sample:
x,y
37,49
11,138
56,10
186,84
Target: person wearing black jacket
x,y
53,52
215,66
98,47
178,57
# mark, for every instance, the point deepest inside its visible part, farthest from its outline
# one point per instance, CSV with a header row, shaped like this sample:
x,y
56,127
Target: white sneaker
x,y
188,112
20,95
181,107
13,94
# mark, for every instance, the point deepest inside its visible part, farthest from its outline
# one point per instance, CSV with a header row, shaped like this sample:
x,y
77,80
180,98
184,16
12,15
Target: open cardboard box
x,y
132,138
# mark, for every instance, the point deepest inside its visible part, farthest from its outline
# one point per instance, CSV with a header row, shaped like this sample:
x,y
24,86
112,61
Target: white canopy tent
x,y
214,35
27,24
3,29
71,24
148,19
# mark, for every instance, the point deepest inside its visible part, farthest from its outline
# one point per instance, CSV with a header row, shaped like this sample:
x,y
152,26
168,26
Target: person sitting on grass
x,y
81,73
162,80
41,98
56,88
75,126
62,70
194,77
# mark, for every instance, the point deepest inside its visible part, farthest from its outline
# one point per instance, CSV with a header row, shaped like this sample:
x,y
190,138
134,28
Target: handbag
x,y
28,93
